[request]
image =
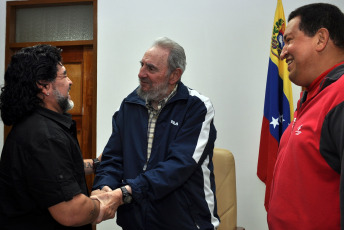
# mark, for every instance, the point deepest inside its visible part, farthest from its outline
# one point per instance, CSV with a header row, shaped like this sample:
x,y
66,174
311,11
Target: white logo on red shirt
x,y
298,132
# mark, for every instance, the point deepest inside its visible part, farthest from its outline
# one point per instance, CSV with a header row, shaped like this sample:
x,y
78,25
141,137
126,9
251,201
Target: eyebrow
x,y
149,65
286,35
64,73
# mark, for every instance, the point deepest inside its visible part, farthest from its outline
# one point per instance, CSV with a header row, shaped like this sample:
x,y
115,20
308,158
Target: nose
x,y
142,72
70,81
284,52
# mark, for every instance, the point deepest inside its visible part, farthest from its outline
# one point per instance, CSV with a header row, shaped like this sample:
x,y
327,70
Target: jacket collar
x,y
325,79
333,75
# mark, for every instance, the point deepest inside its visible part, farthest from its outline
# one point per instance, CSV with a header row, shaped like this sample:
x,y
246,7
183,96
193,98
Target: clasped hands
x,y
109,201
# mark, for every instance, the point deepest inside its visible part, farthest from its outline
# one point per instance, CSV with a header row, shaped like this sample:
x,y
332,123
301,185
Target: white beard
x,y
157,93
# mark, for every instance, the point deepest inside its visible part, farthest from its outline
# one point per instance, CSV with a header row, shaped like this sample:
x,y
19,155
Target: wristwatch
x,y
96,163
126,196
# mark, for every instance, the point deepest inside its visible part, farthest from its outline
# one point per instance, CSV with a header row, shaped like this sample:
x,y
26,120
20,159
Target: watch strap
x,y
126,196
96,163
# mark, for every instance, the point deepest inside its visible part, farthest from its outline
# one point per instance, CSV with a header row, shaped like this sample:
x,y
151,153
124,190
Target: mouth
x,y
142,83
143,80
289,62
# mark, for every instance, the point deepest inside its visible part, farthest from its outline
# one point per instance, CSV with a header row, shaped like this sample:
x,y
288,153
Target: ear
x,y
175,76
322,37
44,86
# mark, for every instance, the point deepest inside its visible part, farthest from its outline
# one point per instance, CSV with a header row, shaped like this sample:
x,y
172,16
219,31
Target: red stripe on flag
x,y
267,157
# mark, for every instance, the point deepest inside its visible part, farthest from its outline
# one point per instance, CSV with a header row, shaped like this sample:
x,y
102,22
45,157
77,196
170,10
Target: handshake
x,y
109,200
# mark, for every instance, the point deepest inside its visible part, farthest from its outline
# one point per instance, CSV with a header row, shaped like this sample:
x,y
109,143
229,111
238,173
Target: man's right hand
x,y
109,202
103,190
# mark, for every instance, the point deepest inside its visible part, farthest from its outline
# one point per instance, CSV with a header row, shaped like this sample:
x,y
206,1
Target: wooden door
x,y
78,61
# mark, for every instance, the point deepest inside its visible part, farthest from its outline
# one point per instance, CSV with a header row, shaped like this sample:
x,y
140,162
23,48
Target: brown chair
x,y
225,179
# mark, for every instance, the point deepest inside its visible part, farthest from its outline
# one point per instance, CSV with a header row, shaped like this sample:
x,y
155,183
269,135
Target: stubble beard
x,y
64,102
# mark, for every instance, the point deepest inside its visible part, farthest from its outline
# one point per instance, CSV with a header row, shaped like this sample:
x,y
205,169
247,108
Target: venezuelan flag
x,y
278,107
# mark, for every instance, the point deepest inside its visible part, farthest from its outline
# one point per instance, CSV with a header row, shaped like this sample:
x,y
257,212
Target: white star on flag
x,y
274,121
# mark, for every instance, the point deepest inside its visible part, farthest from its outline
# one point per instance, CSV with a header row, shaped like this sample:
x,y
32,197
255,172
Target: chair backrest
x,y
225,179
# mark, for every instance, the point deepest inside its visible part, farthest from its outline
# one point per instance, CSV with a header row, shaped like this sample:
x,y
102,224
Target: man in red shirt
x,y
307,191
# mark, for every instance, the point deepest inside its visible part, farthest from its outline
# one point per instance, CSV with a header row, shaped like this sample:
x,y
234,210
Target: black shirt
x,y
41,165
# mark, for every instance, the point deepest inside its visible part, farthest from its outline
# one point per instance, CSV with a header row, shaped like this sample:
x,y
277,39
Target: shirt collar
x,y
64,119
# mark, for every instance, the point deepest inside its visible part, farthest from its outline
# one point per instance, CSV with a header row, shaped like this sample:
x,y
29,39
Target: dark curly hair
x,y
321,15
27,69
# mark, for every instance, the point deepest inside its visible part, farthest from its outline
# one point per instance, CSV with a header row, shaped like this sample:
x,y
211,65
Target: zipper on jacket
x,y
145,166
292,127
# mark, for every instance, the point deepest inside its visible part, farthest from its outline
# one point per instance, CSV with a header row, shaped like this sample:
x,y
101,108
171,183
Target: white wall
x,y
227,47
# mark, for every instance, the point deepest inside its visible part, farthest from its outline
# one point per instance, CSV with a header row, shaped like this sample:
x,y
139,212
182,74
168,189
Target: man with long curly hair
x,y
42,175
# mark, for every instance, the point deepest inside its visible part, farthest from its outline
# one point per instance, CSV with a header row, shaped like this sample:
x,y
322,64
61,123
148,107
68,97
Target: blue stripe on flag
x,y
276,107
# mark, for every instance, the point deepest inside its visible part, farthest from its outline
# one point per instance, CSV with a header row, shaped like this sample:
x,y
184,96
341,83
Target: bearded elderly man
x,y
159,156
307,191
